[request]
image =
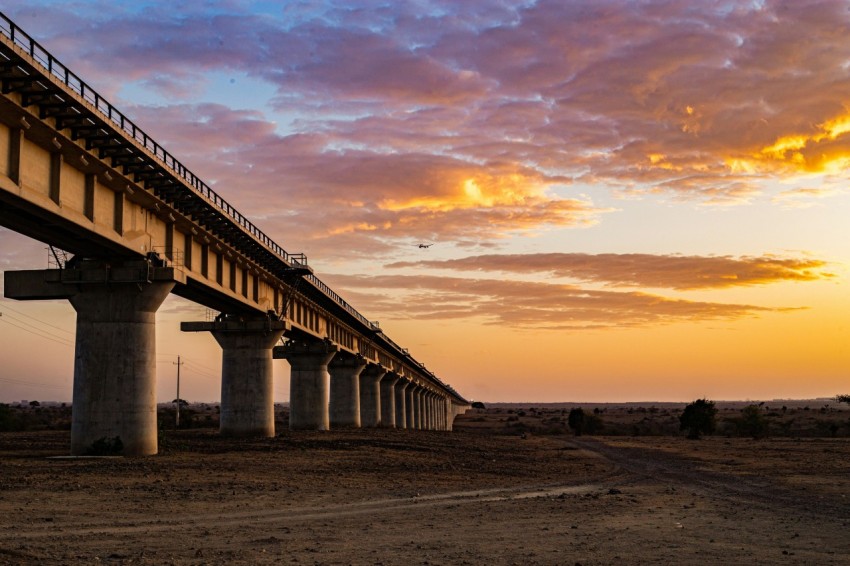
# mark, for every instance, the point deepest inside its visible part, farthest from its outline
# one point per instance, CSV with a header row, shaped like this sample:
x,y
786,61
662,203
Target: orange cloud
x,y
526,304
645,270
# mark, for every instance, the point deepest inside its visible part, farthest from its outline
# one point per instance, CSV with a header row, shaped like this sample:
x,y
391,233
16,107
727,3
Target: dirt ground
x,y
403,497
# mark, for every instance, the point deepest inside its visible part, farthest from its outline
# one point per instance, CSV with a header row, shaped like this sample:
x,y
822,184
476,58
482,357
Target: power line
x,y
52,338
35,328
6,305
201,373
31,383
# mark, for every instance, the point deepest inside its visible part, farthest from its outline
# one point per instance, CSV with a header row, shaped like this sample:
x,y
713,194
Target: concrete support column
x,y
454,411
115,366
370,395
411,406
247,385
115,351
432,421
423,404
345,390
417,408
309,384
388,411
420,409
401,395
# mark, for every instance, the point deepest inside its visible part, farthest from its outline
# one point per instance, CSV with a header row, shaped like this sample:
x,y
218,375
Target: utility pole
x,y
178,363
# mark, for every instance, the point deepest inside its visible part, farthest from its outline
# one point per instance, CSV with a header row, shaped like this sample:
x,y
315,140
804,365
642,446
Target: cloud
x,y
465,120
526,304
359,199
644,270
805,197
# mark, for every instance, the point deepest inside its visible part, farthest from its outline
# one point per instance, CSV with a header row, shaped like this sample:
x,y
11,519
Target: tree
x,y
576,420
843,399
698,418
752,422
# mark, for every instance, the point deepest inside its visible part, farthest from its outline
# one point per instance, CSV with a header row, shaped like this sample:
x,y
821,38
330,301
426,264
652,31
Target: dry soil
x,y
404,497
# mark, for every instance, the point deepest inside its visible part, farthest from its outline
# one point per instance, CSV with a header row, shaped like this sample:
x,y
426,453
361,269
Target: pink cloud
x,y
395,108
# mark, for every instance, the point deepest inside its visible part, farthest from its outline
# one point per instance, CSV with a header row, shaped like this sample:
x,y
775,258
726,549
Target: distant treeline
x,y
823,419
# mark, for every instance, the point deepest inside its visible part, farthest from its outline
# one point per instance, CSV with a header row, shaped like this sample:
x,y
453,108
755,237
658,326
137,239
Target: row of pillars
x,y
115,365
332,389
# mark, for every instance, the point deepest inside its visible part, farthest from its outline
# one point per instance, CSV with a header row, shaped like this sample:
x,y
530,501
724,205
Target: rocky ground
x,y
402,497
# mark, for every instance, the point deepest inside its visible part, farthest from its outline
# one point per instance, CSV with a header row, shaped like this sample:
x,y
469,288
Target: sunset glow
x,y
623,201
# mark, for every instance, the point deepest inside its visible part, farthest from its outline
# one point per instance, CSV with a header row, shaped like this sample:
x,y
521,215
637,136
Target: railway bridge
x,y
80,176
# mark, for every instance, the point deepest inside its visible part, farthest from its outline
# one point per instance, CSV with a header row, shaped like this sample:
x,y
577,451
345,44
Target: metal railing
x,y
59,71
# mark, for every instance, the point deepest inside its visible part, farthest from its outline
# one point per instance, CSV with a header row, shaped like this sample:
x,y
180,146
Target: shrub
x,y
752,422
698,418
576,420
593,424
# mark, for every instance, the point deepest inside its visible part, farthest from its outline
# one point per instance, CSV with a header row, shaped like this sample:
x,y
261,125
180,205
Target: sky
x,y
627,200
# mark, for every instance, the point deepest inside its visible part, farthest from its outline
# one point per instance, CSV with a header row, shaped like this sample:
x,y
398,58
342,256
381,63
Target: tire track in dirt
x,y
286,515
658,465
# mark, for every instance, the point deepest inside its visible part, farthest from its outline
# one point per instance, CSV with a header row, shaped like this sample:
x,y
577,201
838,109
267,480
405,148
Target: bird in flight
x,y
423,246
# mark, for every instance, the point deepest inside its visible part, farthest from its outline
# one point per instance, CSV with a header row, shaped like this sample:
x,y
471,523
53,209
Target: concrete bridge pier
x,y
344,405
411,405
370,395
420,408
426,409
115,367
115,352
453,411
388,410
401,393
247,385
309,384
